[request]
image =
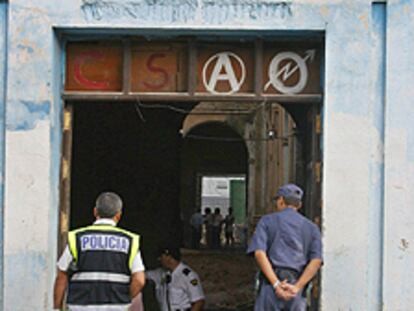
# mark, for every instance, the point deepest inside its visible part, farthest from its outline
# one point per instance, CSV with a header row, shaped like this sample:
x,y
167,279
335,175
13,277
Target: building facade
x,y
362,172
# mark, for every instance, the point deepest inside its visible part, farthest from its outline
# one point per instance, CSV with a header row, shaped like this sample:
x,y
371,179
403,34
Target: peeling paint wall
x,y
3,83
29,255
194,11
367,218
353,157
399,158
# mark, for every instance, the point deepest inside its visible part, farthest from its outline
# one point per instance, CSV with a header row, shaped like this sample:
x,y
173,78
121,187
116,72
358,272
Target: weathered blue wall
x,y
29,253
399,158
379,19
3,83
367,223
352,157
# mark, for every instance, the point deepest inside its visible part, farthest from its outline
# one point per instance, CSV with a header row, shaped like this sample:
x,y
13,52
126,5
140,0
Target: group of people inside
x,y
101,267
212,225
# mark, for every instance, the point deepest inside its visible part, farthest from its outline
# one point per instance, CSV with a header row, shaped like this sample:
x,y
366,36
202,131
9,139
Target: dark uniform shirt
x,y
290,241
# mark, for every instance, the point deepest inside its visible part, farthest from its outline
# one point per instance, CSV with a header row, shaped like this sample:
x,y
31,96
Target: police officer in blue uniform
x,y
101,264
288,250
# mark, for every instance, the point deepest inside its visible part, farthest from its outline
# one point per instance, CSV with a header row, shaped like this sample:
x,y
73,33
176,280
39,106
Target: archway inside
x,y
257,149
214,173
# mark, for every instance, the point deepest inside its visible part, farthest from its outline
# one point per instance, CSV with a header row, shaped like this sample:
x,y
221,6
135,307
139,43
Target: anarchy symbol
x,y
223,71
278,77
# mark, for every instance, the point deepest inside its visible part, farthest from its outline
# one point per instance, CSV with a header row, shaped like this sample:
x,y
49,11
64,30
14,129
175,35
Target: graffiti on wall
x,y
223,71
165,67
278,75
78,71
282,67
171,10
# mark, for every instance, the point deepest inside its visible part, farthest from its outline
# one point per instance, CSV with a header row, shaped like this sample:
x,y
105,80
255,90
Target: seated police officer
x,y
101,263
177,287
288,251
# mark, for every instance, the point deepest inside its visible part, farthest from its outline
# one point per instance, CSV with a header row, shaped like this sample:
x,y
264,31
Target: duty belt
x,y
282,274
290,275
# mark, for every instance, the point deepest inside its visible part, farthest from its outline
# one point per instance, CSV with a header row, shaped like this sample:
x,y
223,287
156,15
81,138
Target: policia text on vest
x,y
103,256
101,267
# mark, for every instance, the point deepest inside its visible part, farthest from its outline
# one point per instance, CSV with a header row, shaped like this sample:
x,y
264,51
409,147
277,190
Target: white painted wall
x,y
399,159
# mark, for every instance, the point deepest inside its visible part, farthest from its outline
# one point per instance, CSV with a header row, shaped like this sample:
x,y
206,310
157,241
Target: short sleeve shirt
x,y
183,287
196,220
289,239
159,277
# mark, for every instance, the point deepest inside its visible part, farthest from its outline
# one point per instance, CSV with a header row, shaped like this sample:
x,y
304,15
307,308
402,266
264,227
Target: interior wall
x,y
306,142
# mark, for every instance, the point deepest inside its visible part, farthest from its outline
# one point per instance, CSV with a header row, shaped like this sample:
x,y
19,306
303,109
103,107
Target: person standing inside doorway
x,y
196,223
228,227
288,250
216,228
101,264
208,223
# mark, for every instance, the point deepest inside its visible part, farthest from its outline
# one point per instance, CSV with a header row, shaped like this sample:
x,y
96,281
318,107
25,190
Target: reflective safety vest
x,y
102,257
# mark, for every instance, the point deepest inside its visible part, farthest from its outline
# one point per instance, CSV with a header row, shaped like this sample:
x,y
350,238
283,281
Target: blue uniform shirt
x,y
289,239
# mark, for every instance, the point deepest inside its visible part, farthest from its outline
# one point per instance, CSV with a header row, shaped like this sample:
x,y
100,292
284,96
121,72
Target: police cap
x,y
290,191
170,251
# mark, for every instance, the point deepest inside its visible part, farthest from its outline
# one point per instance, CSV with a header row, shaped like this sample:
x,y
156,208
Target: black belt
x,y
291,276
288,274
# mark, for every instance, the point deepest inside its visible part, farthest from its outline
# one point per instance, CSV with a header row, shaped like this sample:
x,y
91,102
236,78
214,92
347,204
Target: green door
x,y
238,200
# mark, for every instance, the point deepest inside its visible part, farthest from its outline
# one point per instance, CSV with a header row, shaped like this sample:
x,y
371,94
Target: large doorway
x,y
163,176
152,118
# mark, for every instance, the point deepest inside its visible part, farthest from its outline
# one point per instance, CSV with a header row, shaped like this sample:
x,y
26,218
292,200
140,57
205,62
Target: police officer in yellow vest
x,y
102,264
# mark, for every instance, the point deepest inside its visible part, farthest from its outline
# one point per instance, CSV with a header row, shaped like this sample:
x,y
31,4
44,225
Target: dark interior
x,y
134,152
140,154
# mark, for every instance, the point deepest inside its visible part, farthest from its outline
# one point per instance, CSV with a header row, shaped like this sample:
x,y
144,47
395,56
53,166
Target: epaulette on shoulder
x,y
186,271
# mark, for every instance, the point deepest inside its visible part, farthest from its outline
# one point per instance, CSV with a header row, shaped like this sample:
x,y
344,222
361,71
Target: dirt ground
x,y
227,277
